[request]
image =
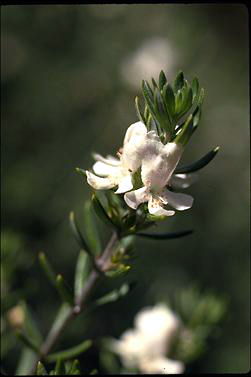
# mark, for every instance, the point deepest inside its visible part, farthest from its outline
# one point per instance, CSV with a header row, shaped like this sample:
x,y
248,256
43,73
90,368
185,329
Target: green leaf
x,y
82,271
60,368
26,340
27,358
185,132
195,87
73,368
47,268
80,239
178,82
41,371
138,111
148,95
101,212
198,164
165,236
162,79
63,290
169,99
91,231
113,295
63,312
71,352
178,102
154,83
30,327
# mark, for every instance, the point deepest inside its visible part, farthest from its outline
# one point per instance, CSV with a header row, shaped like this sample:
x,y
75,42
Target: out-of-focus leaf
x,y
41,371
27,358
169,99
71,352
30,327
198,164
77,233
165,236
91,231
47,268
109,362
26,340
82,271
63,291
73,367
113,295
8,340
59,368
62,314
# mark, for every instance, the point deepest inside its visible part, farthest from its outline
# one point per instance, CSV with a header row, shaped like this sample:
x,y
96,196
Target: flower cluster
x,y
145,347
145,157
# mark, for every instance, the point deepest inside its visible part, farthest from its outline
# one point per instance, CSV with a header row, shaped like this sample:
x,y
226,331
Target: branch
x,y
94,276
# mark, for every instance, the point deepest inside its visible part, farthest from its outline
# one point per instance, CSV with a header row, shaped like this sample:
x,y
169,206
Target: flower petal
x,y
161,365
183,180
155,208
177,200
109,160
103,169
100,183
125,185
134,198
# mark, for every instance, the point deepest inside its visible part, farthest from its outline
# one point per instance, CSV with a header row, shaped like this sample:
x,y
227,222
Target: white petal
x,y
161,365
177,200
103,169
155,208
183,180
99,183
109,160
134,198
125,185
137,129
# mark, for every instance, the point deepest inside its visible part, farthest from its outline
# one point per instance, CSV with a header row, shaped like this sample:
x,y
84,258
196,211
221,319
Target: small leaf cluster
x,y
174,111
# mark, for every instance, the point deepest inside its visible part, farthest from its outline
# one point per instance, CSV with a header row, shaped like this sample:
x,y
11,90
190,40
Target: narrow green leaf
x,y
199,164
162,79
82,271
30,327
26,340
178,82
196,116
185,132
91,231
195,87
138,111
79,237
74,367
165,236
154,83
63,290
101,212
27,358
113,295
41,371
148,95
71,352
60,368
47,268
178,102
63,312
169,99
201,97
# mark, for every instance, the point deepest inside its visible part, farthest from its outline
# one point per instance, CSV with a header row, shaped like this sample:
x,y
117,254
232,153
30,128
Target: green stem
x,y
78,307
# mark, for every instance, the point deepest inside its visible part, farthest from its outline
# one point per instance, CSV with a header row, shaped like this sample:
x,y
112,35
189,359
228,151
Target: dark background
x,y
69,78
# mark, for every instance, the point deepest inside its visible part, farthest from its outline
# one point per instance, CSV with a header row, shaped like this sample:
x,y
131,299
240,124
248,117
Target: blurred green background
x,y
69,78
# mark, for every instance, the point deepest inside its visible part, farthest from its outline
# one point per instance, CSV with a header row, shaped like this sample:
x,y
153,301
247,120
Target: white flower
x,y
158,164
118,172
145,346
